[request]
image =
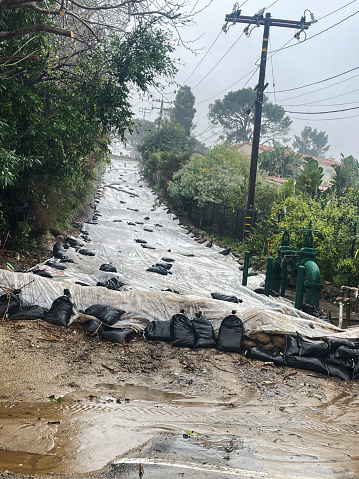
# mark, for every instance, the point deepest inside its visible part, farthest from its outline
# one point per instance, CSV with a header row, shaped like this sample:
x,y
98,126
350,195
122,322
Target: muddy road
x,y
75,406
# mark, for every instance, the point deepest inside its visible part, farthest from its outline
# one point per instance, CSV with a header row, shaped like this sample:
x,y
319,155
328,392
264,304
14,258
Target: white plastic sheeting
x,y
129,210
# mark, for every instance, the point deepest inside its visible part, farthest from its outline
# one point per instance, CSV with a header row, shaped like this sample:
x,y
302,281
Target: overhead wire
x,y
317,82
211,70
322,112
320,33
319,89
337,10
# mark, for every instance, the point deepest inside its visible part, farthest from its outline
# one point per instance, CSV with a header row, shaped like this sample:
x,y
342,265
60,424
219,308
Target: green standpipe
x,y
269,273
245,268
313,284
300,288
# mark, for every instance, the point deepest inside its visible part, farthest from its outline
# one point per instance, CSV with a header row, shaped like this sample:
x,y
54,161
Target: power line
x,y
337,10
319,33
321,112
325,119
189,76
211,70
319,89
324,99
316,82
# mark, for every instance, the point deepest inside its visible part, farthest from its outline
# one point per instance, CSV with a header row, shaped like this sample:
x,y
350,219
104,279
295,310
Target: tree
x,y
183,111
310,178
164,150
135,135
86,21
311,142
233,114
346,175
280,162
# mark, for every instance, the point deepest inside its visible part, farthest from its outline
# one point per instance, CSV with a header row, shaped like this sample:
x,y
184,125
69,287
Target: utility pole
x,y
161,111
145,111
267,21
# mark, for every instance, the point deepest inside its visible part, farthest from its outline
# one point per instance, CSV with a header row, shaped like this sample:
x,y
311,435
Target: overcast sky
x,y
320,56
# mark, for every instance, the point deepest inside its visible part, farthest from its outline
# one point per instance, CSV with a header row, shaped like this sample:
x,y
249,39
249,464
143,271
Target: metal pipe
x,y
341,311
245,268
300,288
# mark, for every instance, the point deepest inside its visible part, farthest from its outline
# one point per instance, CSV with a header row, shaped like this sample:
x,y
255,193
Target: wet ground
x,y
76,406
73,406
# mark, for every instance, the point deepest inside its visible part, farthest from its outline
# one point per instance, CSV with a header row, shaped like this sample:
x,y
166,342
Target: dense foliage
x,y
183,110
220,176
58,110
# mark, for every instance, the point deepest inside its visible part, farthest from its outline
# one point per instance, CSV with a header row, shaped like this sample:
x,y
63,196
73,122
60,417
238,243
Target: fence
x,y
220,219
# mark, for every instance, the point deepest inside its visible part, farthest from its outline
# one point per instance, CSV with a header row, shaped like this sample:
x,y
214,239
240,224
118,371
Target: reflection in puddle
x,y
90,428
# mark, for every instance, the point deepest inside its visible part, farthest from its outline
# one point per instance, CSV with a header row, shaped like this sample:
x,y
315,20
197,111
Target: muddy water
x,y
90,428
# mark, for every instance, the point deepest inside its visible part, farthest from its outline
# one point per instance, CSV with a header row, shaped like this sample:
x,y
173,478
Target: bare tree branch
x,y
39,27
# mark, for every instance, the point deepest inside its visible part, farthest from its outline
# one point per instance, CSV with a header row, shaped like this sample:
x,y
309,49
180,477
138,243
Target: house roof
x,y
323,161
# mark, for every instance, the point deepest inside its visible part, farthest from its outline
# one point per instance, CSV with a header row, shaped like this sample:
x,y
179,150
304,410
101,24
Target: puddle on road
x,y
90,428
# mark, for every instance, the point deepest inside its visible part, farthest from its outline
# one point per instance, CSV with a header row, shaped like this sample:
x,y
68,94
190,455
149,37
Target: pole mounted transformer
x,y
258,20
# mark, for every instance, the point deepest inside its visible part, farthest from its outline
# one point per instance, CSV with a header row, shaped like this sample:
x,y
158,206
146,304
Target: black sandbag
x,y
42,272
164,265
182,331
312,310
158,331
171,290
58,251
273,356
27,312
339,372
109,267
335,343
252,273
203,332
225,252
113,283
230,334
333,360
9,302
86,252
147,247
107,314
210,243
60,311
310,347
271,292
356,370
95,327
52,264
148,229
73,242
291,346
118,335
344,352
225,297
158,269
66,259
141,241
303,362
168,260
157,224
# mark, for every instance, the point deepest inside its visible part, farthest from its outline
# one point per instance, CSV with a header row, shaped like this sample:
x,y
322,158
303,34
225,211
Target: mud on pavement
x,y
175,411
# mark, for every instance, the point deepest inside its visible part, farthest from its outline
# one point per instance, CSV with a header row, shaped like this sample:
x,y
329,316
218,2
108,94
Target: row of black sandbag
x,y
59,313
197,333
330,356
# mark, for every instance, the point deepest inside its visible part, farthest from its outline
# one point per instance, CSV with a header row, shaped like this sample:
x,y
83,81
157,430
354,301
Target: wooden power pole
x,y
267,21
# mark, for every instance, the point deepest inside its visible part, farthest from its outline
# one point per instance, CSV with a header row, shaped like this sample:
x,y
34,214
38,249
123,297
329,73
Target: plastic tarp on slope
x,y
127,211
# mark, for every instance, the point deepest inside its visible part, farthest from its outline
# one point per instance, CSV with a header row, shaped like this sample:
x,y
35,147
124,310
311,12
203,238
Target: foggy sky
x,y
325,55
